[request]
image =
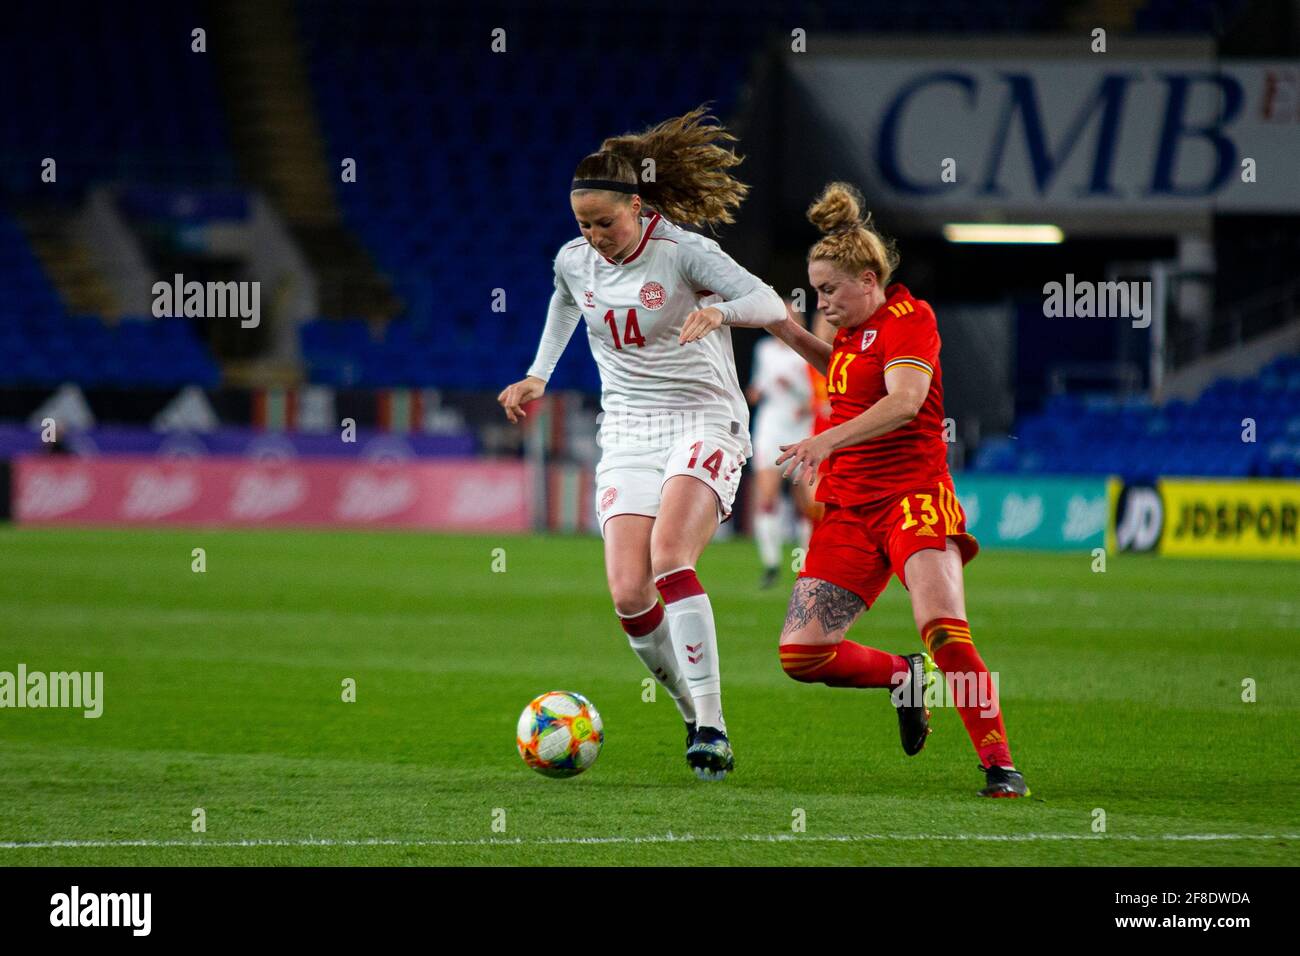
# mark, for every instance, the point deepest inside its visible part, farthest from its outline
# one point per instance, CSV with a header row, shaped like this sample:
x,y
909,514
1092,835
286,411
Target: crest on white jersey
x,y
653,295
868,336
589,298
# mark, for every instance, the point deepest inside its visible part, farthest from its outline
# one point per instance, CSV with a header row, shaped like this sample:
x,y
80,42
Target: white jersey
x,y
653,390
785,400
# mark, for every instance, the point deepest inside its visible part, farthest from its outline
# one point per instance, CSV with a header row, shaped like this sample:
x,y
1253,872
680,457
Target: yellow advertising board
x,y
1246,519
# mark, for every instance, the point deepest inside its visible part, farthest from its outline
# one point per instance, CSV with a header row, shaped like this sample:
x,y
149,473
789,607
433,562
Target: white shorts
x,y
630,482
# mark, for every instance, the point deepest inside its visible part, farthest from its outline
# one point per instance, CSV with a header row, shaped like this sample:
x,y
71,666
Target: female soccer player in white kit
x,y
674,435
782,390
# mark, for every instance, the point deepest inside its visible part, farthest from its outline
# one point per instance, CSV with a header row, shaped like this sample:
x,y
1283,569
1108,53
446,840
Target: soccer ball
x,y
559,734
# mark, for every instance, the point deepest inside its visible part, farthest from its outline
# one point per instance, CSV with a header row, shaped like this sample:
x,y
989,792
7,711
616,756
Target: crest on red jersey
x,y
653,295
868,336
607,498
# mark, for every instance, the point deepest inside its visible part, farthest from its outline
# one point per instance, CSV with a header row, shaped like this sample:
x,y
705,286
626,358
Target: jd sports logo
x,y
1139,518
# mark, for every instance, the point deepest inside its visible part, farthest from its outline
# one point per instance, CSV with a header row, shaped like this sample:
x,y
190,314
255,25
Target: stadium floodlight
x,y
1002,232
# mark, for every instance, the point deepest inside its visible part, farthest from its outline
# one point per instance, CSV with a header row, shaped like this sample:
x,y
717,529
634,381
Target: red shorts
x,y
858,547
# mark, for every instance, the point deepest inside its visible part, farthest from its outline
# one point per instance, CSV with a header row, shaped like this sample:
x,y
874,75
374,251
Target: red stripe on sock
x,y
845,664
959,658
943,624
678,585
643,624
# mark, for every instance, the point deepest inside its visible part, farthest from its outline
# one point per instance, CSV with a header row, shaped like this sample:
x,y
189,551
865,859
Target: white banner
x,y
1036,134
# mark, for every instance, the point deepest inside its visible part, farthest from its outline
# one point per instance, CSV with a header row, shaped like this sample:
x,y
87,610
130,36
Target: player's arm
x,y
905,392
562,317
910,350
748,301
813,350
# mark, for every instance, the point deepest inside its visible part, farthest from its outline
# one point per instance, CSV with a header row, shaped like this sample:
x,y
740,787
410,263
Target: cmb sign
x,y
1085,133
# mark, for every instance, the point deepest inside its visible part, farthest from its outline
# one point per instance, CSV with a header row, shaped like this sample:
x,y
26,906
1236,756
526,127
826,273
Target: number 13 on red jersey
x,y
837,375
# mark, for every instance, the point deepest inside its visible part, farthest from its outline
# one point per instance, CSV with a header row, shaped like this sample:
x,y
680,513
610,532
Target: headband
x,y
610,184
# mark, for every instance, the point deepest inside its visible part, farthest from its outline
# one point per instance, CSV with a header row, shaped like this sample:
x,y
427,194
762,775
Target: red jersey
x,y
902,333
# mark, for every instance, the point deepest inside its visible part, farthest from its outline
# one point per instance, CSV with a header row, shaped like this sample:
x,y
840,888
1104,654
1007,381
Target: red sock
x,y
845,664
639,625
949,642
682,583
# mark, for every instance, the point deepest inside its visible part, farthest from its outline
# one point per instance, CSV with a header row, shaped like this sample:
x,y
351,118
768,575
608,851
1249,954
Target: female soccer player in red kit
x,y
890,504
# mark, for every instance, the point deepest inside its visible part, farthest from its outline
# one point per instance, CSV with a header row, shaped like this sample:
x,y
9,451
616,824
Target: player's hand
x,y
699,324
809,454
520,393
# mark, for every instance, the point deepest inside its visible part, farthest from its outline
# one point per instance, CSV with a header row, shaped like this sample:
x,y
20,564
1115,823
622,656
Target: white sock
x,y
767,533
657,653
694,635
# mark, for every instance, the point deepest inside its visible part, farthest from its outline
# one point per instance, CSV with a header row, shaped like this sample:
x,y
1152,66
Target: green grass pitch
x,y
222,690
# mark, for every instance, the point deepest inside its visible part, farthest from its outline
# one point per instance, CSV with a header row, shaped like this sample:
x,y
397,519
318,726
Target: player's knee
x,y
804,662
767,498
670,555
632,595
928,609
792,665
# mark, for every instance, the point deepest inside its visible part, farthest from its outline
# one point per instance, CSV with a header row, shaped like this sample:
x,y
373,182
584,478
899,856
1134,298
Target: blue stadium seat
x,y
1103,435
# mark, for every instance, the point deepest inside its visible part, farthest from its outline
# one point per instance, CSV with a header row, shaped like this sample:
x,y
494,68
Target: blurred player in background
x,y
821,420
890,503
674,436
782,391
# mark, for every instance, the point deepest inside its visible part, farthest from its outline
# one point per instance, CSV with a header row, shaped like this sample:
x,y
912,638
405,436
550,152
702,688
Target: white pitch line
x,y
665,838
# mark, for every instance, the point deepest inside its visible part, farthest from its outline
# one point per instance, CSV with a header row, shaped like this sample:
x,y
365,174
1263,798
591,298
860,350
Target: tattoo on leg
x,y
830,605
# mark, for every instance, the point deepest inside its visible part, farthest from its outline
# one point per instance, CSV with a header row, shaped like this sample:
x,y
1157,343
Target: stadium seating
x,y
399,89
424,121
120,98
413,93
1104,435
119,94
44,346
